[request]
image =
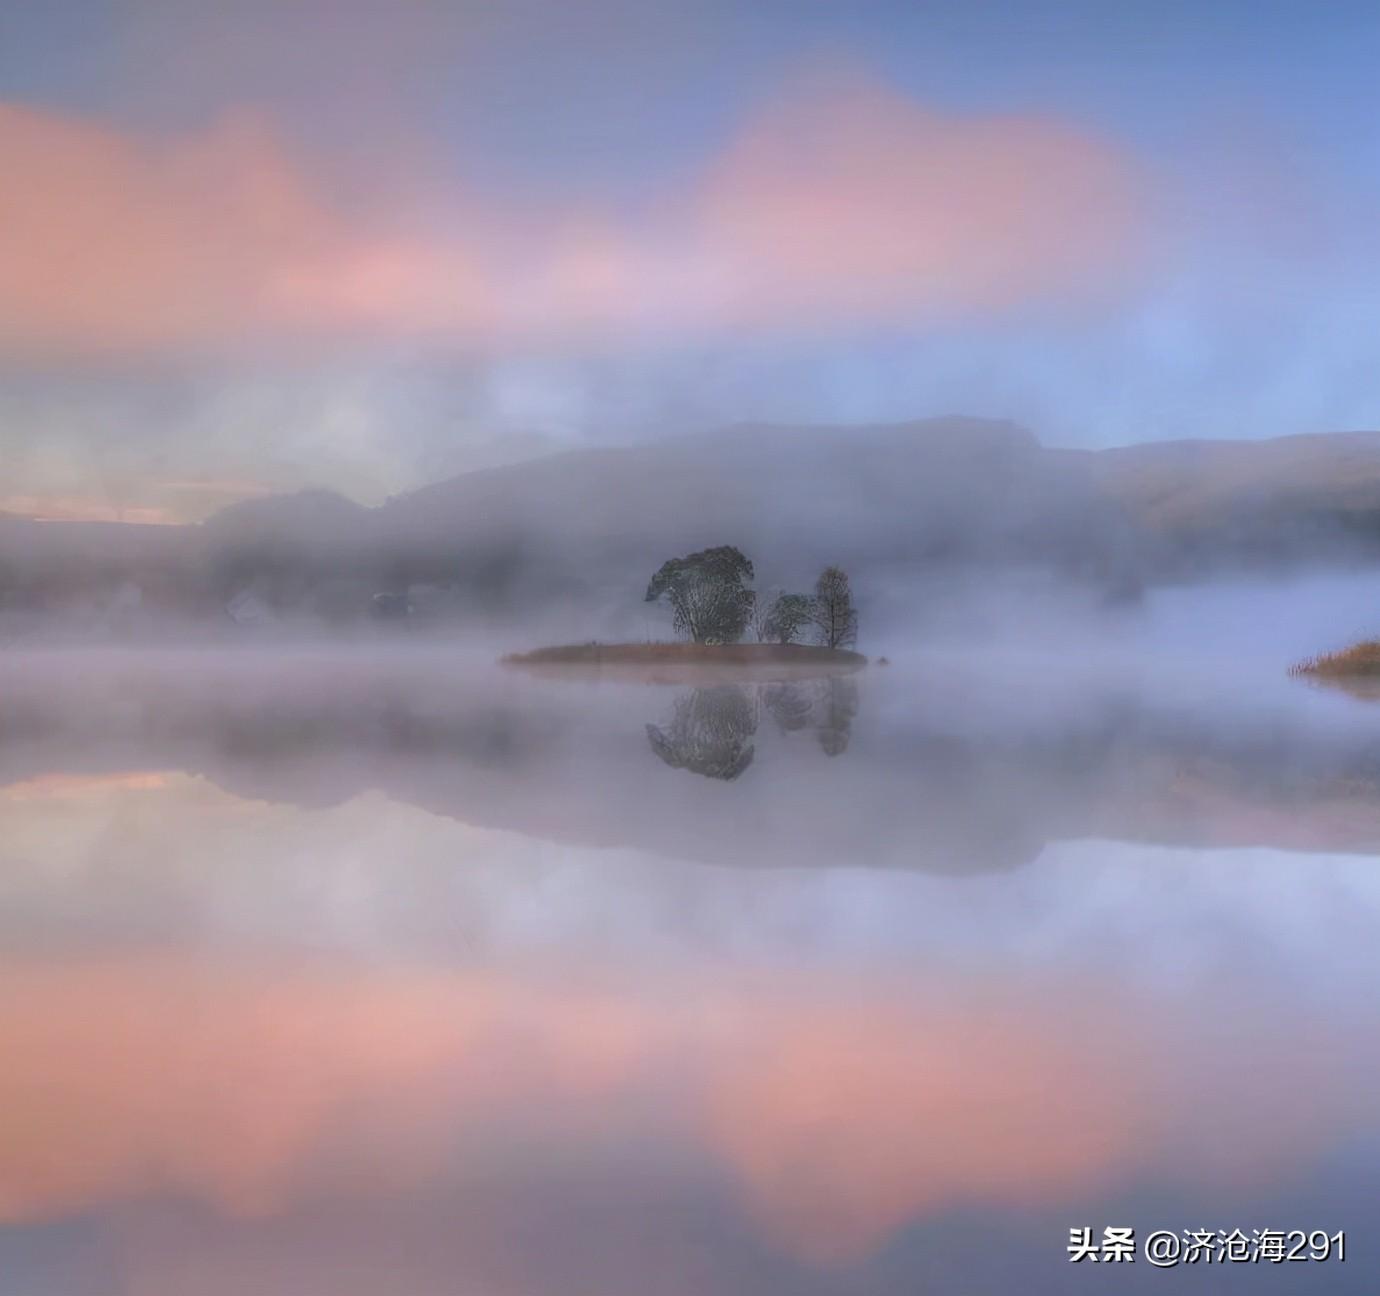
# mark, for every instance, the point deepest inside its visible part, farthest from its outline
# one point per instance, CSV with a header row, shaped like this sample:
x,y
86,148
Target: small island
x,y
1362,659
713,607
691,663
1355,669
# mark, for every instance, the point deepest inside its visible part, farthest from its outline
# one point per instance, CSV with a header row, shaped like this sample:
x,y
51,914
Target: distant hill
x,y
1184,482
1298,498
948,491
936,490
792,498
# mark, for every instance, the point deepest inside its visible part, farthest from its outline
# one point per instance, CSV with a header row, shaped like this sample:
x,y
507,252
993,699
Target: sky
x,y
367,244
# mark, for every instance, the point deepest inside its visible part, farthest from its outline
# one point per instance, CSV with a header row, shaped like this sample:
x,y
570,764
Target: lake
x,y
363,971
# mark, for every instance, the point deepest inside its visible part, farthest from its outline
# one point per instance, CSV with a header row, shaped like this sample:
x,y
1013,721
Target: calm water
x,y
340,974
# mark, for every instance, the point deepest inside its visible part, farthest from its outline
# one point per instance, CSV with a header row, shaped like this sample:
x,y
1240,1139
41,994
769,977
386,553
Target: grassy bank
x,y
1359,661
731,654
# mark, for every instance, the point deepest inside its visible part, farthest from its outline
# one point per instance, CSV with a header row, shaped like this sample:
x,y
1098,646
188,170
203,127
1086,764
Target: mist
x,y
527,937
688,649
324,927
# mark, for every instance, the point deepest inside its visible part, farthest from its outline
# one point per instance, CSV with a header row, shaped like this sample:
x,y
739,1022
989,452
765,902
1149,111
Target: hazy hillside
x,y
1175,482
791,497
949,492
938,490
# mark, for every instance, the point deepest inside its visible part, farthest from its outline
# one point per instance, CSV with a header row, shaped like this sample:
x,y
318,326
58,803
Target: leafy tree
x,y
833,613
708,593
785,618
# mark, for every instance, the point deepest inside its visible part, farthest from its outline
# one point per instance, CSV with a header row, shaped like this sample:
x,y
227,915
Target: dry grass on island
x,y
1360,661
1354,670
677,663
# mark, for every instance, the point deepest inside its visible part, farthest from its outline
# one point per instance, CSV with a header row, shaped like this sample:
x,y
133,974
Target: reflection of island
x,y
711,729
688,663
922,787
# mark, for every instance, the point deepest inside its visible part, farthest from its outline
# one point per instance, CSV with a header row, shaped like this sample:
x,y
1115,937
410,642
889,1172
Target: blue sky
x,y
363,244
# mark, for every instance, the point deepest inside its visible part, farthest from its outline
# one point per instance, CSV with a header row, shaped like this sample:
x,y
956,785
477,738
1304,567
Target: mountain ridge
x,y
891,497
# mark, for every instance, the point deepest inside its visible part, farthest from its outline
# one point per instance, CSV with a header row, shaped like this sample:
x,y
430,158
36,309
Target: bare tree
x,y
761,613
832,611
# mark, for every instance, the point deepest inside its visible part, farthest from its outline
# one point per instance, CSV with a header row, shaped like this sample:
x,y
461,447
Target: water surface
x,y
346,973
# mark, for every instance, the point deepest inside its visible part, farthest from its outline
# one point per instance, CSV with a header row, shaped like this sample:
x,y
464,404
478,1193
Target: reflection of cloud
x,y
151,1077
842,1111
854,1118
847,200
849,1115
83,508
162,503
72,787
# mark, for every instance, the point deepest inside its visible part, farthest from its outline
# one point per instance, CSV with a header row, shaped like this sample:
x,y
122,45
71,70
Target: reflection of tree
x,y
838,702
788,704
711,729
708,733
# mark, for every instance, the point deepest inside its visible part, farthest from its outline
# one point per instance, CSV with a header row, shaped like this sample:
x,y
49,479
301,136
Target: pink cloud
x,y
119,243
847,202
854,199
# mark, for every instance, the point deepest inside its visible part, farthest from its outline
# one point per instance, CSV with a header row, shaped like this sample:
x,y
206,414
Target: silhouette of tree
x,y
708,594
785,617
762,605
709,733
833,613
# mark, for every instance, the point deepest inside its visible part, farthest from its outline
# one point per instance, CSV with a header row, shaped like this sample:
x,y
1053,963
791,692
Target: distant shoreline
x,y
690,662
1354,670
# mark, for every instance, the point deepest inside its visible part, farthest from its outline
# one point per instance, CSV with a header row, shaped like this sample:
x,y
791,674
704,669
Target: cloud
x,y
849,197
842,200
119,243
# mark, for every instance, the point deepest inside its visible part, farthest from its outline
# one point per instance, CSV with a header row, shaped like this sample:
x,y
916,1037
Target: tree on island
x,y
781,620
762,606
832,611
708,593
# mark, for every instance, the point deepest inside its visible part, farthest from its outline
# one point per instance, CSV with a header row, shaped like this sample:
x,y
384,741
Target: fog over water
x,y
342,967
388,907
